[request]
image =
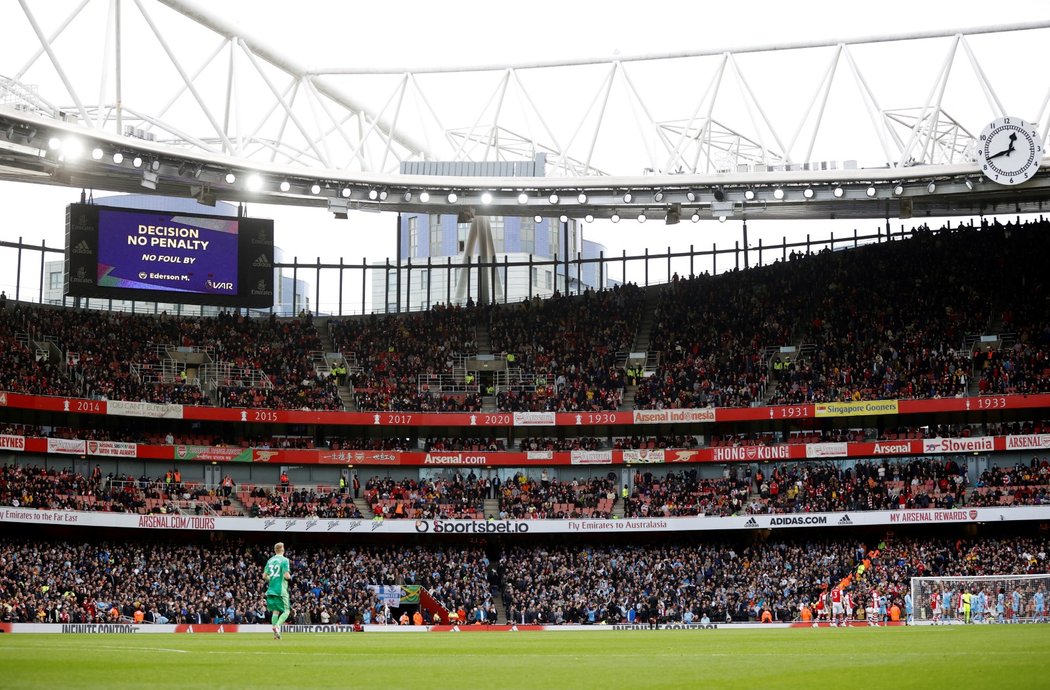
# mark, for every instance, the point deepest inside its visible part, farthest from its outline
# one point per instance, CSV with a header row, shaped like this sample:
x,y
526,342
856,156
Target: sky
x,y
413,33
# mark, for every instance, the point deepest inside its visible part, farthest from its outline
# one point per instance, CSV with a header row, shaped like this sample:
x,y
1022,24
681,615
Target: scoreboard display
x,y
156,256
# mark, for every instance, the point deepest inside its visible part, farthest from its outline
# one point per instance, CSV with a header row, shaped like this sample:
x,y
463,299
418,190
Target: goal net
x,y
992,598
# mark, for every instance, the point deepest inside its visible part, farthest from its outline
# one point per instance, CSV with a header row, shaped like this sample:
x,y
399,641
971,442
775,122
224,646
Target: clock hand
x,y
1004,152
1007,151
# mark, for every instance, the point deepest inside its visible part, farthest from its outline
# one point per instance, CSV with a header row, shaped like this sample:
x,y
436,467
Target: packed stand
x,y
1022,366
461,443
282,350
1027,485
107,353
456,498
21,371
549,498
676,583
684,493
709,333
564,349
907,339
655,442
536,443
69,582
51,489
392,351
808,487
286,501
715,335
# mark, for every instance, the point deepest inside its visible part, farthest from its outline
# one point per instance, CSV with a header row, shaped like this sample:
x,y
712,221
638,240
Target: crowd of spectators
x,y
795,487
222,582
1022,368
457,497
118,356
298,502
685,582
709,333
1020,362
717,339
651,442
539,498
34,487
684,493
62,489
21,370
358,443
671,582
564,350
463,443
824,487
1018,485
535,443
391,352
907,339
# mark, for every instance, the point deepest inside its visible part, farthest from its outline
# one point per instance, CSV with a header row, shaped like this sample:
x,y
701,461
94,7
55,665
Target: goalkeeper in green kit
x,y
277,573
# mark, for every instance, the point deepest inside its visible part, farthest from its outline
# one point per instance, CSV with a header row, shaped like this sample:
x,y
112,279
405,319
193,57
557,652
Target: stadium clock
x,y
1009,151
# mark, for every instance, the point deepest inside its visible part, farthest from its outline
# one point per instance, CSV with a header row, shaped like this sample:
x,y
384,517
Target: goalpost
x,y
993,598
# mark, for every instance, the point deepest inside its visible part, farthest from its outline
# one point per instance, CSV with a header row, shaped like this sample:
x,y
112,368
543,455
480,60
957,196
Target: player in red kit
x,y
873,608
837,609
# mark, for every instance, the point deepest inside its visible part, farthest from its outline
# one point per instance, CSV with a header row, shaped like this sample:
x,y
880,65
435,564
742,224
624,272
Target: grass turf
x,y
927,657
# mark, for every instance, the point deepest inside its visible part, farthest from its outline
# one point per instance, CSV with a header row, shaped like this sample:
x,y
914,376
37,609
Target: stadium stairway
x,y
628,397
345,394
501,608
365,509
482,337
238,505
428,603
1000,303
491,507
483,343
653,296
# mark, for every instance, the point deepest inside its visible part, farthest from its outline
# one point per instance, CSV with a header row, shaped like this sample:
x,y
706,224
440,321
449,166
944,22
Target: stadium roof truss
x,y
226,115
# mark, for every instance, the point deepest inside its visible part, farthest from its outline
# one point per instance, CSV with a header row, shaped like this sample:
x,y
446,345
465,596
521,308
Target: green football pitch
x,y
1001,656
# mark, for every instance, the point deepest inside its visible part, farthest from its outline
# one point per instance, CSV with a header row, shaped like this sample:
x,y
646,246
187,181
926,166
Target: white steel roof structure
x,y
817,129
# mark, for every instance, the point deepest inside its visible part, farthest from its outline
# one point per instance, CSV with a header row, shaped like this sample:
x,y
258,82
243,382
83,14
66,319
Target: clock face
x,y
1009,151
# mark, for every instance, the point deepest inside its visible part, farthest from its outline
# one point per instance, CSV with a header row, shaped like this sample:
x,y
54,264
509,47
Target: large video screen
x,y
138,254
150,251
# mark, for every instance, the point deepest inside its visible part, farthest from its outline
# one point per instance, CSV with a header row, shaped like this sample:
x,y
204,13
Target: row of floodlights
x,y
72,149
616,218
